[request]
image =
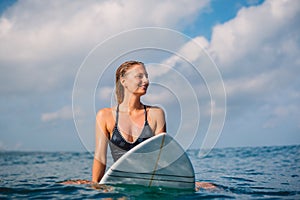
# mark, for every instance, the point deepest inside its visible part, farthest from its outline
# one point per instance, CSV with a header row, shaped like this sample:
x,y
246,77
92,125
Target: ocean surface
x,y
238,173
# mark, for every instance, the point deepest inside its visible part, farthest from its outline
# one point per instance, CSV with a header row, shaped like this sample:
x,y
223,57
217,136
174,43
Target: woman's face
x,y
136,80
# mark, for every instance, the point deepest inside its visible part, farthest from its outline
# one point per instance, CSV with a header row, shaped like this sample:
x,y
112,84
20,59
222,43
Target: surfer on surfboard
x,y
129,123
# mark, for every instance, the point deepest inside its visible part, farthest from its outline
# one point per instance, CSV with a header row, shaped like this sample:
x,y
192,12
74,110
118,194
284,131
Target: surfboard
x,y
157,162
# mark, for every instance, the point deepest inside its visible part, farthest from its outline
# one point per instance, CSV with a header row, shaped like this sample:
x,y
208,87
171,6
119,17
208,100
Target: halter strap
x,y
145,111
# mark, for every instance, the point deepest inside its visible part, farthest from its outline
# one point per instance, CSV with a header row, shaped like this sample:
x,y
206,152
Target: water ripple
x,y
239,173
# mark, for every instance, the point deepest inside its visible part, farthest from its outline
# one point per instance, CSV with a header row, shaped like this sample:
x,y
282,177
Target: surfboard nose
x,y
159,161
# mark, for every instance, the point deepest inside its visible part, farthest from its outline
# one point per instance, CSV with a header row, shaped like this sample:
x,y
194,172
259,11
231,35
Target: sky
x,y
248,81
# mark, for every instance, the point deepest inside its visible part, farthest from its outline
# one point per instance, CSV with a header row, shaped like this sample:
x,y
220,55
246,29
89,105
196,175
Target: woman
x,y
130,122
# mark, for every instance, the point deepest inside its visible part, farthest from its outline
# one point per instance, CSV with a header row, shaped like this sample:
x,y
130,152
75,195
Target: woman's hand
x,y
204,185
76,182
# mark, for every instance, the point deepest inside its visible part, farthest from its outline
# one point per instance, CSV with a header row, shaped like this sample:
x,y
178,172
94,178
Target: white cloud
x,y
248,85
64,113
43,44
162,97
280,113
258,49
257,33
105,93
33,31
258,54
189,51
48,41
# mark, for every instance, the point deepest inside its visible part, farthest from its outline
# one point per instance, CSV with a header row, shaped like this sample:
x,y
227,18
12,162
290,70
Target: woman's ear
x,y
122,81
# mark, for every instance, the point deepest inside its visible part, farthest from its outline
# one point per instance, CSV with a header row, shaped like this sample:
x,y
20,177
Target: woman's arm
x,y
98,170
101,142
158,115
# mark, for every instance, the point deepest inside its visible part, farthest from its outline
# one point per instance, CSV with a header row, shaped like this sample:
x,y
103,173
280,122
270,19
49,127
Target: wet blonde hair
x,y
120,72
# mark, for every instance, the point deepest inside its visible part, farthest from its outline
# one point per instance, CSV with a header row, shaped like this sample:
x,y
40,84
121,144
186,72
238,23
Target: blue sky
x,y
254,43
218,12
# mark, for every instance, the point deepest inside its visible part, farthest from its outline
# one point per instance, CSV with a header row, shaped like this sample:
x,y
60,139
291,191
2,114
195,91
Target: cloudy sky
x,y
254,44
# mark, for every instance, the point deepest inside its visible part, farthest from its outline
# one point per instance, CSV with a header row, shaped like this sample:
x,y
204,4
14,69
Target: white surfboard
x,y
159,161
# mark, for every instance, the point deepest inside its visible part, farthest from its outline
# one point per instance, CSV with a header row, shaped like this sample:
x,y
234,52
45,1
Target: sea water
x,y
240,173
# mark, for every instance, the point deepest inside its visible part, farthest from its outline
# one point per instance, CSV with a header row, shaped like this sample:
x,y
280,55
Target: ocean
x,y
238,173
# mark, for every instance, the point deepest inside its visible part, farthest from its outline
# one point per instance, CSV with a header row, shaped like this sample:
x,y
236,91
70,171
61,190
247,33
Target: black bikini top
x,y
119,146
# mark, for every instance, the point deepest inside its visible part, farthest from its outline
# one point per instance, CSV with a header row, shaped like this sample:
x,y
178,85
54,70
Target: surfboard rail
x,y
159,161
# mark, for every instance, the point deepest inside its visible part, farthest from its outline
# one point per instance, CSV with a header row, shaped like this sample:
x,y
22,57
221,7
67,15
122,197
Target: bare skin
x,y
131,122
198,185
131,117
204,185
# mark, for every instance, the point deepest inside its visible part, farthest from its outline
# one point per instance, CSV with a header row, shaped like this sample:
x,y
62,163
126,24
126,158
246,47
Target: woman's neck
x,y
131,104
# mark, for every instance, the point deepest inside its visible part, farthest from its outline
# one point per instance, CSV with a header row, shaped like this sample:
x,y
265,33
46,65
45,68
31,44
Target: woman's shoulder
x,y
105,113
155,110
